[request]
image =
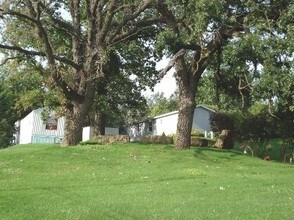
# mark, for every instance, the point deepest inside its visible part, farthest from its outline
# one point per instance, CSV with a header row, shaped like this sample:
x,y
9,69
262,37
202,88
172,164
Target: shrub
x,y
156,139
6,133
199,142
198,133
222,121
110,139
257,130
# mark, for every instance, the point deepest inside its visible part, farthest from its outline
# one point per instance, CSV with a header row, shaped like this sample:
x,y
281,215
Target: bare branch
x,y
131,17
9,58
270,106
172,62
138,27
42,54
107,22
63,25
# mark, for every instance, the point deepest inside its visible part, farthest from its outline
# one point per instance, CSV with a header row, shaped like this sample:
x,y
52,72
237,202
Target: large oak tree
x,y
72,39
196,31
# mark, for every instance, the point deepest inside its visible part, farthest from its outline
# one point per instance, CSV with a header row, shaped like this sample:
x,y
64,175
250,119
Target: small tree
x,y
7,116
158,104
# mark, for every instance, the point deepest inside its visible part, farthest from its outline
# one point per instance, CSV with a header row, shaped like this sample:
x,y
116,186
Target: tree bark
x,y
73,127
185,120
75,115
99,123
187,83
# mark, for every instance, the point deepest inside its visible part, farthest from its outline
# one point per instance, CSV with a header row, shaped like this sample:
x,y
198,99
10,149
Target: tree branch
x,y
63,25
42,54
9,58
172,62
138,27
107,21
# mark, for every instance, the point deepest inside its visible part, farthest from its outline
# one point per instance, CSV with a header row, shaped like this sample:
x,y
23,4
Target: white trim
x,y
176,112
166,114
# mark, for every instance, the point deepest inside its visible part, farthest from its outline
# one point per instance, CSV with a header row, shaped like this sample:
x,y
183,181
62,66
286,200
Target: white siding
x,y
26,128
111,131
39,126
166,124
201,119
33,129
88,132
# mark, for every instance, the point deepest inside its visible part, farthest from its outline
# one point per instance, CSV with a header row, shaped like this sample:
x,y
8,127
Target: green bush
x,y
198,133
222,121
6,133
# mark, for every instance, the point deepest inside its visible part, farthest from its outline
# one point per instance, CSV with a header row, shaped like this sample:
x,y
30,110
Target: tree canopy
x,y
85,50
221,36
73,48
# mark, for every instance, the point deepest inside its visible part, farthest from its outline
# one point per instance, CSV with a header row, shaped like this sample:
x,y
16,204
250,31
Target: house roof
x,y
176,112
166,114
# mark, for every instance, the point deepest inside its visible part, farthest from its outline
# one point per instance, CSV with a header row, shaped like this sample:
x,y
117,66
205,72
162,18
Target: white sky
x,y
167,84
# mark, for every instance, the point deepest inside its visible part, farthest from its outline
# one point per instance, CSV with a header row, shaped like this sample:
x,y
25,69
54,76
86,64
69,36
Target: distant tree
x,y
159,104
7,115
118,100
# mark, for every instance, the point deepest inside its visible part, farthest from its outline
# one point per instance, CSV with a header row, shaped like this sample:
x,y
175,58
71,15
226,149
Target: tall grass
x,y
134,181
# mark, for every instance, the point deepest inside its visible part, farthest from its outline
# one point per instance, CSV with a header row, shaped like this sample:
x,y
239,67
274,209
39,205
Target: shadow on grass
x,y
201,152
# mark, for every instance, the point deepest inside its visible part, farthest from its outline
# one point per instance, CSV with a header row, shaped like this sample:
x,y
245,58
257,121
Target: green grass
x,y
134,181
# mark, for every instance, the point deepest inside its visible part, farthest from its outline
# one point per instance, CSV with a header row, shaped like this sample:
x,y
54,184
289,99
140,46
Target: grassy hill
x,y
134,181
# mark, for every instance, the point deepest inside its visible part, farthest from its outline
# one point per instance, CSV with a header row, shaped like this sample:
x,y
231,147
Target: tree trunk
x,y
73,127
187,83
185,120
75,118
99,123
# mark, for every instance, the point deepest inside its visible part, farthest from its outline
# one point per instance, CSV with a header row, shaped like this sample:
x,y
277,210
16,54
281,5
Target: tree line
x,y
92,58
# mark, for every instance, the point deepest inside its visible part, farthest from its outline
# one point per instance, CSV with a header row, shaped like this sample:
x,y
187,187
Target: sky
x,y
167,84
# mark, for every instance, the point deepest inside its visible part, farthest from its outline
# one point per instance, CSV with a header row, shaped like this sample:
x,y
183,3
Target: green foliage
x,y
222,121
254,127
159,104
198,133
7,115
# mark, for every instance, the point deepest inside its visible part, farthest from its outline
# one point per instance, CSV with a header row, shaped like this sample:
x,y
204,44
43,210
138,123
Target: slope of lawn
x,y
135,181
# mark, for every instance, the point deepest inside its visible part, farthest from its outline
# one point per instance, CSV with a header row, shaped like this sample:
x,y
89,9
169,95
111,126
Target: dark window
x,y
150,126
51,124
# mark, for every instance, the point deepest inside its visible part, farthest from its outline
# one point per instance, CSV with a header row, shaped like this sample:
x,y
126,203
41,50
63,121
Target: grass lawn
x,y
135,181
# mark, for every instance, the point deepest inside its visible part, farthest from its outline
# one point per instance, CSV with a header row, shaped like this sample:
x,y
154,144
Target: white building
x,y
167,123
32,129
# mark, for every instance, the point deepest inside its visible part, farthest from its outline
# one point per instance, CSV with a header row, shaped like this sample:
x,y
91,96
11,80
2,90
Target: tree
x,y
159,104
196,31
73,48
118,99
7,116
26,83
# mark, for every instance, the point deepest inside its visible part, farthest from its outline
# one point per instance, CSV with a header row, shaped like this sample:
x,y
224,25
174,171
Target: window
x,y
51,124
150,126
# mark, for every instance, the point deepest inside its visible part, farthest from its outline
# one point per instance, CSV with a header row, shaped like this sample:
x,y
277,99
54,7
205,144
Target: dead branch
x,y
172,62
